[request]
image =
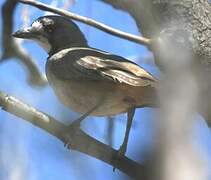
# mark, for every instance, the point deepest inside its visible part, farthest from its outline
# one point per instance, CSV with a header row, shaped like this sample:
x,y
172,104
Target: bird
x,y
88,80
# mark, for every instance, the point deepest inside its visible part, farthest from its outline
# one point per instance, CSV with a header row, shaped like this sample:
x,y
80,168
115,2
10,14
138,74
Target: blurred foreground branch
x,y
91,22
179,98
11,48
183,52
81,142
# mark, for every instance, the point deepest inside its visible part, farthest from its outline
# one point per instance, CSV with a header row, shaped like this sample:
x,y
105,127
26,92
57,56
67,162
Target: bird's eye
x,y
49,29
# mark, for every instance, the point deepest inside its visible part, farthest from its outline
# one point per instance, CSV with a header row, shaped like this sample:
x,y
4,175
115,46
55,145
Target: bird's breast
x,y
82,95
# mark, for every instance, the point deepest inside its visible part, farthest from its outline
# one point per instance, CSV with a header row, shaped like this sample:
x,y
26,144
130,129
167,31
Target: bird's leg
x,y
123,147
77,122
75,126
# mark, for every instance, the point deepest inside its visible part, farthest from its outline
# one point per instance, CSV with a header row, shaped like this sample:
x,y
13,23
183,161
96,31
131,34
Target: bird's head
x,y
53,33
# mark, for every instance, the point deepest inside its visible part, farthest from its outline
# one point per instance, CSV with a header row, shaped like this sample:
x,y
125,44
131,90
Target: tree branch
x,y
81,142
11,49
140,10
91,22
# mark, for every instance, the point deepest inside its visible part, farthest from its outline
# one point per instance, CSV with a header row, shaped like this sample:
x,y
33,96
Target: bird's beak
x,y
27,33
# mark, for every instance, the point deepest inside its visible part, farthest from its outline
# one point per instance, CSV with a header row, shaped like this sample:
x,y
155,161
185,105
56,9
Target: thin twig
x,y
81,142
89,21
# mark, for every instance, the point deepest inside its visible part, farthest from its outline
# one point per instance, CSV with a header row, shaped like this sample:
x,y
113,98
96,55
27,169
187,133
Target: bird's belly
x,y
84,95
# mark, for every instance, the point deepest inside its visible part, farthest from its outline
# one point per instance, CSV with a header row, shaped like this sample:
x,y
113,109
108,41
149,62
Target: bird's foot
x,y
71,132
122,151
120,154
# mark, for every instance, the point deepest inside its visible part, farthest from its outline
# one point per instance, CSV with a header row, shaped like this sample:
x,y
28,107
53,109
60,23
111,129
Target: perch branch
x,y
81,142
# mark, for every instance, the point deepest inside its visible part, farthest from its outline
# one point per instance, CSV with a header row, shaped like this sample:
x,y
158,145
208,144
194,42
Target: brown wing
x,y
122,72
93,64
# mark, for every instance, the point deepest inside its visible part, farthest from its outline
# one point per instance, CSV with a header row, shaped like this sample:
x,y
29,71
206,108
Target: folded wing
x,y
98,65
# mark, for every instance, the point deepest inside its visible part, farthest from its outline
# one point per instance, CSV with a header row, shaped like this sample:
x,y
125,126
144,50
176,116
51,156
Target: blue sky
x,y
31,153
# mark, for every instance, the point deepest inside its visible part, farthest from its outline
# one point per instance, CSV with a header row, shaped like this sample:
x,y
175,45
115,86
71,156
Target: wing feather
x,y
122,72
92,64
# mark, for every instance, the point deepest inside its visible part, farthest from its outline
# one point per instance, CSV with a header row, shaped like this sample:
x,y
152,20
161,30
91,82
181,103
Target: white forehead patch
x,y
42,41
37,25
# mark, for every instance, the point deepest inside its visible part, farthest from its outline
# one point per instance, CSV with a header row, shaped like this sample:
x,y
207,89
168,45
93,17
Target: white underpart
x,y
42,41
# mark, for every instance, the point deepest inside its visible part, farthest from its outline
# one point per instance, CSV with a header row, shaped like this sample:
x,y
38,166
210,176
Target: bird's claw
x,y
121,151
70,134
119,155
